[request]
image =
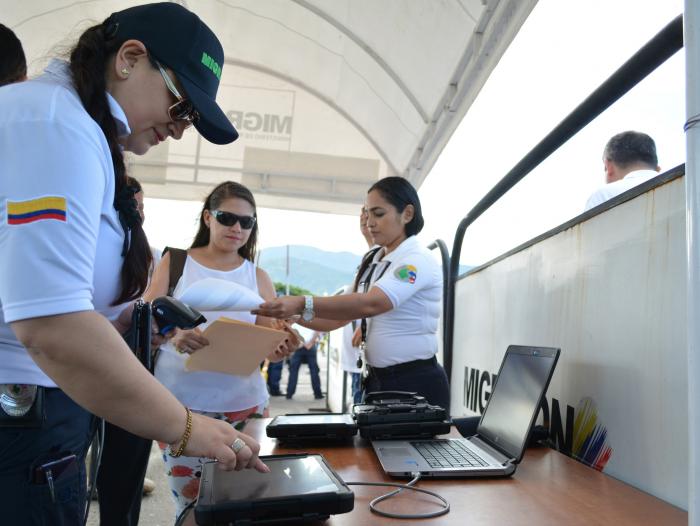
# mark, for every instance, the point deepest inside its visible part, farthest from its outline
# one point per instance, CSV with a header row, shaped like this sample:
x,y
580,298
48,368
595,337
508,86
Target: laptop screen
x,y
516,397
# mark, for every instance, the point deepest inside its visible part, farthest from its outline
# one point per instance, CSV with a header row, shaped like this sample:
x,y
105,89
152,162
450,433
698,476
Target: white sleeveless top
x,y
204,390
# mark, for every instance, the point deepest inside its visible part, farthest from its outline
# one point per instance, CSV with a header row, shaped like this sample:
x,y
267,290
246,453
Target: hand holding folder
x,y
235,347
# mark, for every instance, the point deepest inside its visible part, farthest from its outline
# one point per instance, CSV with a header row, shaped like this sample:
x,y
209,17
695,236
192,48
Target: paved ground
x,y
158,509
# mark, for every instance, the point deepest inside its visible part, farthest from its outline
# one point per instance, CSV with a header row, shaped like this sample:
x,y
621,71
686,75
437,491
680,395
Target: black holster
x,y
138,337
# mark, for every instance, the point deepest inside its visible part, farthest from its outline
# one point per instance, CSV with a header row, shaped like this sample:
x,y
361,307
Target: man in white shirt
x,y
306,353
629,159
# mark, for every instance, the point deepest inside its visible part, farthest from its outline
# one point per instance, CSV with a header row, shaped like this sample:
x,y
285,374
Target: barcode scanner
x,y
170,313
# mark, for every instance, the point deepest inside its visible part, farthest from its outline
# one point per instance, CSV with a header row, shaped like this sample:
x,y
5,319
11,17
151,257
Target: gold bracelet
x,y
185,436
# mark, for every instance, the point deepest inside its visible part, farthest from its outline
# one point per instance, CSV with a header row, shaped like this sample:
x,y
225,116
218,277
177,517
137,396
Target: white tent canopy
x,y
328,95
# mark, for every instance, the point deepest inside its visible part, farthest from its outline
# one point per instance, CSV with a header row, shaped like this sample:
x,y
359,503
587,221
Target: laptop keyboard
x,y
448,454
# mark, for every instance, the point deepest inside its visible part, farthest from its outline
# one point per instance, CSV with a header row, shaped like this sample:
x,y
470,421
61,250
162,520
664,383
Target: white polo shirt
x,y
610,190
412,280
60,237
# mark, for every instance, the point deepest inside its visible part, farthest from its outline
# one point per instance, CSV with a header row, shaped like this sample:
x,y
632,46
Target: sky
x,y
563,52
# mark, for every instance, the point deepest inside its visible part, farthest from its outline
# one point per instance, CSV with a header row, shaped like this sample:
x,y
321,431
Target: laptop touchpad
x,y
396,451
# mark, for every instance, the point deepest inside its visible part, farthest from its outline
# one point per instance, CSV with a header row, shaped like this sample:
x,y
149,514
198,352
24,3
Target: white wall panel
x,y
336,374
609,291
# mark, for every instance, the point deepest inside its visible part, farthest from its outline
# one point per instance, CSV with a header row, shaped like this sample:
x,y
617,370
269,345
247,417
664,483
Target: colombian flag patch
x,y
406,273
23,212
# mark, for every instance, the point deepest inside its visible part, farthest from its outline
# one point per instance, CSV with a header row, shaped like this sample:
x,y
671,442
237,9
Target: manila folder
x,y
235,347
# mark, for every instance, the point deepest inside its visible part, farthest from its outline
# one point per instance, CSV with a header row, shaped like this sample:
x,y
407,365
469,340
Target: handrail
x,y
659,49
446,336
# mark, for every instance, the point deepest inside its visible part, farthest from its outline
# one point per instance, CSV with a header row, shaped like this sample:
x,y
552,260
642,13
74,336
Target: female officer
x,y
399,287
71,248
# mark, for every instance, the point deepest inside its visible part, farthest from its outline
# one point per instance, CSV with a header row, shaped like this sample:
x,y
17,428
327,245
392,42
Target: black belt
x,y
380,372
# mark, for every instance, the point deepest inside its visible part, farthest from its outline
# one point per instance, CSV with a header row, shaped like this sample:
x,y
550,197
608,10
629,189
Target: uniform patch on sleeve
x,y
406,273
42,208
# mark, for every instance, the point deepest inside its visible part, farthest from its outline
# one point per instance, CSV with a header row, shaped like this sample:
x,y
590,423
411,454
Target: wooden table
x,y
547,488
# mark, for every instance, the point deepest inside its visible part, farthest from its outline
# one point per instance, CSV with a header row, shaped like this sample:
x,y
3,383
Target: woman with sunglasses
x,y
72,250
398,297
223,248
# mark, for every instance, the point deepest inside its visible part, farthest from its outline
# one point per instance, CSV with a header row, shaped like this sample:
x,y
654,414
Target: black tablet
x,y
312,426
389,413
405,430
298,487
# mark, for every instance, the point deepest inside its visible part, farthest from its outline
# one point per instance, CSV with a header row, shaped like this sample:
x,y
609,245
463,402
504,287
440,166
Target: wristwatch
x,y
308,313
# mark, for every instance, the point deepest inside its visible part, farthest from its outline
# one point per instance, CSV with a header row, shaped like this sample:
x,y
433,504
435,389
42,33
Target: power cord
x,y
416,477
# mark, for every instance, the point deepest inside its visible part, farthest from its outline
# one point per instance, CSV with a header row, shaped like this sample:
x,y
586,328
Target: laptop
x,y
499,442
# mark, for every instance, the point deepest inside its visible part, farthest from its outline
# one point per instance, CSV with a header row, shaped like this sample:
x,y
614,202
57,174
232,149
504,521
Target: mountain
x,y
311,268
314,269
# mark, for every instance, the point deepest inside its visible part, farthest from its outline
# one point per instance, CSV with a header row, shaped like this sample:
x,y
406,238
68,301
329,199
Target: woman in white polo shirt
x,y
399,293
72,248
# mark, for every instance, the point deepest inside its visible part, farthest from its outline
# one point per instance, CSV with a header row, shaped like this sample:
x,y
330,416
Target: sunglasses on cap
x,y
182,110
229,219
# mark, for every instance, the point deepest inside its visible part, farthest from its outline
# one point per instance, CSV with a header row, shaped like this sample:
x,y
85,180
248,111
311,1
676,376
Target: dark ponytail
x,y
88,65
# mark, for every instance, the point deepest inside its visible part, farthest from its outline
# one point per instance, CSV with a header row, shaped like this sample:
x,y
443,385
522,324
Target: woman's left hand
x,y
158,339
284,349
123,324
280,354
286,325
282,308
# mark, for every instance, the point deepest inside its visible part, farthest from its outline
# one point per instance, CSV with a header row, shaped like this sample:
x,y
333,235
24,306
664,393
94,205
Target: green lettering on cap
x,y
211,64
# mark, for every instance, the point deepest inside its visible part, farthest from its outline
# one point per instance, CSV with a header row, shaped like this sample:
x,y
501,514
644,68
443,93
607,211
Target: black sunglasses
x,y
229,219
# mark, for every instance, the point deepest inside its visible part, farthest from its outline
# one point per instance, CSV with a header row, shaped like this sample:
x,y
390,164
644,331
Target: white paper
x,y
213,294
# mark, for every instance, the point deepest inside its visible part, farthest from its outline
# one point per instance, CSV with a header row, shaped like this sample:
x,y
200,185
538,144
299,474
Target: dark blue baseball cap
x,y
178,39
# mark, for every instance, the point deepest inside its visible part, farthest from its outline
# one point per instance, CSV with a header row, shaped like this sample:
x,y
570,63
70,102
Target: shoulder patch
x,y
407,273
39,209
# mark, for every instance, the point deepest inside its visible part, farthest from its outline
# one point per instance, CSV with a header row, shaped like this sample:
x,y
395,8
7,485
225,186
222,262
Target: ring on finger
x,y
237,445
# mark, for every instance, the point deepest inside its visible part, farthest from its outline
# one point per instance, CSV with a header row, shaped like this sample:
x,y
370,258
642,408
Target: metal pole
x,y
344,405
692,203
327,406
287,274
446,325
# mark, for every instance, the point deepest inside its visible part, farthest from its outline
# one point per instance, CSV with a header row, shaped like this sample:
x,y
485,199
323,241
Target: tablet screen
x,y
288,476
314,419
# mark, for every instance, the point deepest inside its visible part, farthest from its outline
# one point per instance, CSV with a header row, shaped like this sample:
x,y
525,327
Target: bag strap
x,y
178,257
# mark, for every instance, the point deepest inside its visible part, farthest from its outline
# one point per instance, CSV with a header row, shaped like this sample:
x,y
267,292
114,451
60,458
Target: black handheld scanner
x,y
170,313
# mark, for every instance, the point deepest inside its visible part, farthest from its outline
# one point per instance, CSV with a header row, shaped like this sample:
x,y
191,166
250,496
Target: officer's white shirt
x,y
610,190
413,283
51,147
